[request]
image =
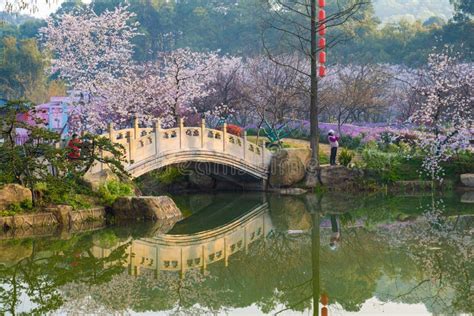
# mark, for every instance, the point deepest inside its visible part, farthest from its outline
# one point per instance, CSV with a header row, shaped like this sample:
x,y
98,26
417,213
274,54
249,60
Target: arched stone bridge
x,y
148,149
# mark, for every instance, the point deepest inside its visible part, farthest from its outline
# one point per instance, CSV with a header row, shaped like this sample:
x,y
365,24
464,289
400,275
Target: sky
x,y
386,10
42,9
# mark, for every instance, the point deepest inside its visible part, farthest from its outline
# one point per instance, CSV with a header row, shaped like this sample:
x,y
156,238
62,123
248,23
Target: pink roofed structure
x,y
53,115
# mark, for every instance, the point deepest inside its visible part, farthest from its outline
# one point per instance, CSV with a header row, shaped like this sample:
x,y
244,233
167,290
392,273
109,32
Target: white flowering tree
x,y
186,77
91,53
90,49
225,92
139,93
445,112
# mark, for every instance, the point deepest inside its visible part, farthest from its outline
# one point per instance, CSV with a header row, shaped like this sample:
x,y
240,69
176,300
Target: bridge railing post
x,y
224,136
203,131
181,132
136,130
111,131
157,131
131,147
244,144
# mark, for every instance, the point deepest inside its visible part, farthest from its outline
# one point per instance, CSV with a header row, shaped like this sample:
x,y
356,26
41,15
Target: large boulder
x,y
146,208
468,179
13,193
339,177
96,180
288,166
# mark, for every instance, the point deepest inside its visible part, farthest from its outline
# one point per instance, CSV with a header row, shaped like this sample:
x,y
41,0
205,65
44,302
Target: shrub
x,y
253,132
351,142
345,157
7,213
323,158
234,130
460,163
69,191
384,165
112,190
169,175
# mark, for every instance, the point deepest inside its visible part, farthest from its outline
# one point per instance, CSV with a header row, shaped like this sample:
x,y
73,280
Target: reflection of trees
x,y
424,261
50,265
442,248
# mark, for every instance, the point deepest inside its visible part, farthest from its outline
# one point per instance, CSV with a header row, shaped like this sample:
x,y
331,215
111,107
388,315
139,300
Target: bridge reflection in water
x,y
173,252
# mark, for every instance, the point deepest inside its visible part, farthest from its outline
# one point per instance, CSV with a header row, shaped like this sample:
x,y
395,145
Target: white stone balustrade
x,y
148,149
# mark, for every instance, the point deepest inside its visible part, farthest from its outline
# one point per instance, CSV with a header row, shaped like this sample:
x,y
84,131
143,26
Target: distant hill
x,y
394,10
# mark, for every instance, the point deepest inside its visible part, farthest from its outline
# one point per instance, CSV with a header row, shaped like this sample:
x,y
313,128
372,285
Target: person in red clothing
x,y
334,142
74,145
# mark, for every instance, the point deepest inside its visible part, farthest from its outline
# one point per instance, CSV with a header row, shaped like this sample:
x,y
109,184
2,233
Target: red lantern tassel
x,y
322,71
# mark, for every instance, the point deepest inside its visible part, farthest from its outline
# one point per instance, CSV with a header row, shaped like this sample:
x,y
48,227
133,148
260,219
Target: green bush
x,y
351,142
459,164
112,190
16,208
345,157
169,175
382,164
323,158
69,191
7,213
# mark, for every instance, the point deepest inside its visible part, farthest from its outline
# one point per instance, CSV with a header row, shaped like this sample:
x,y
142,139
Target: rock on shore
x,y
467,179
288,167
13,193
339,177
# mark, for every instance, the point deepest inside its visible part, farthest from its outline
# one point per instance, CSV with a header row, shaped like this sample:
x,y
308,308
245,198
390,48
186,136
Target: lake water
x,y
253,254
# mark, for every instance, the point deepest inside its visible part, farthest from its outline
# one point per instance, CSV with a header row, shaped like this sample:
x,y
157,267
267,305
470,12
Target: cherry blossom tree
x,y
139,93
225,92
90,49
355,93
92,53
168,88
445,112
186,77
275,94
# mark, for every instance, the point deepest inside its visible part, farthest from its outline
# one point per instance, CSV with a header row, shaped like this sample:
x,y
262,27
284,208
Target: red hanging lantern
x,y
322,29
322,57
324,299
322,15
322,71
322,3
324,311
322,43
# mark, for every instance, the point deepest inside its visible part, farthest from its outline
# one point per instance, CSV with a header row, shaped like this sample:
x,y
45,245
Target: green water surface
x,y
252,254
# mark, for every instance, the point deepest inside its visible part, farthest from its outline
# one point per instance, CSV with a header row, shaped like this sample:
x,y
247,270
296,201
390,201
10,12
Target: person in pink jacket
x,y
334,143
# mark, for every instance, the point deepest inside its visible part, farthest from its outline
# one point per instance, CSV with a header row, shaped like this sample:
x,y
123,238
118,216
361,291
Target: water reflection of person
x,y
336,232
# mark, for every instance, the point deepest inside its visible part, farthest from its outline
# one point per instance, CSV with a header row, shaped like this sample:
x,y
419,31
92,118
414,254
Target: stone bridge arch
x,y
148,149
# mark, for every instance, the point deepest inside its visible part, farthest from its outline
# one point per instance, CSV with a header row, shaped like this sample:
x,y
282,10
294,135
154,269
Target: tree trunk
x,y
339,124
313,172
313,111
